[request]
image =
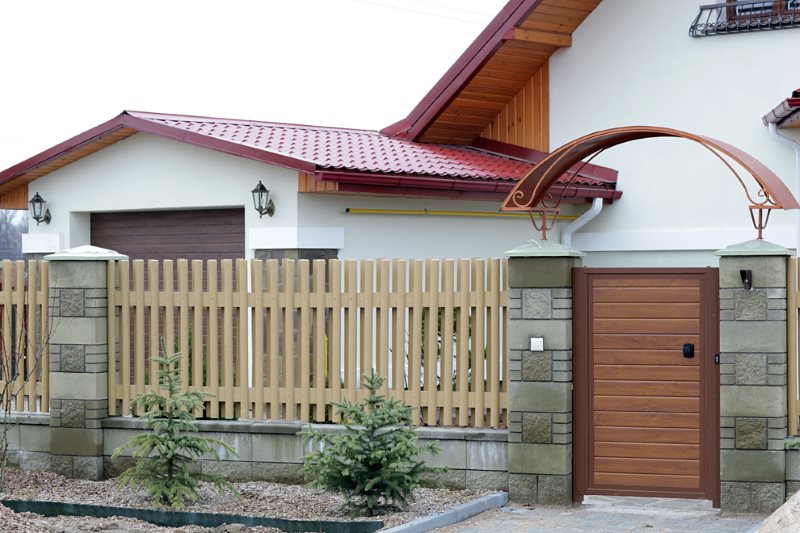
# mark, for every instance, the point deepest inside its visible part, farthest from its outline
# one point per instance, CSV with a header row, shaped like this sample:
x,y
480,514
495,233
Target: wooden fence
x,y
284,340
793,307
24,337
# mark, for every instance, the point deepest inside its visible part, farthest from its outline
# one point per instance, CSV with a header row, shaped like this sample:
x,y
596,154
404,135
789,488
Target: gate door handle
x,y
688,350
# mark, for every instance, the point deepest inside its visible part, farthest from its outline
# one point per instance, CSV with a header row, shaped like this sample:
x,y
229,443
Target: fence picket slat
x,y
196,328
227,336
462,336
350,330
257,313
18,389
155,313
138,327
33,369
125,336
431,354
382,312
415,339
335,335
319,354
478,336
243,370
273,343
399,290
213,336
304,337
492,344
366,315
183,322
447,343
288,337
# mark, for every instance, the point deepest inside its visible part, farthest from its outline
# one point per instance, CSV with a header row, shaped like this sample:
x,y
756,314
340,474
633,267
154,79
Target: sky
x,y
66,66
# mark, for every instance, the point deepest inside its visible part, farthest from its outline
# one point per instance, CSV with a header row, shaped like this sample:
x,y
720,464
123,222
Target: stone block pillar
x,y
78,360
540,382
753,416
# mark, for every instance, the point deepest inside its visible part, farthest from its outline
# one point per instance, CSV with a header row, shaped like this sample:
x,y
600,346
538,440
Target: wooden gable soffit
x,y
16,198
539,37
506,96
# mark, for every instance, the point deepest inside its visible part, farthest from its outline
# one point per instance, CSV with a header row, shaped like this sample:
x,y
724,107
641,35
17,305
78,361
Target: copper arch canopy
x,y
532,190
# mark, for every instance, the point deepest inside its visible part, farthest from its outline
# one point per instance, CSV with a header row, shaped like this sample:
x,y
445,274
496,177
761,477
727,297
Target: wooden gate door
x,y
646,389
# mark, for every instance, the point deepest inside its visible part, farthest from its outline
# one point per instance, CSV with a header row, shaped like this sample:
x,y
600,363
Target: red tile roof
x,y
787,113
358,157
349,149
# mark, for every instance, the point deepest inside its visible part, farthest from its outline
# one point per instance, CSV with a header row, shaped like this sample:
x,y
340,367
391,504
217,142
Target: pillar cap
x,y
534,248
754,248
86,253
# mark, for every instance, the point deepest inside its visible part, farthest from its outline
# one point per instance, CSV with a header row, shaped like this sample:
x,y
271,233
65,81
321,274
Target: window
x,y
740,17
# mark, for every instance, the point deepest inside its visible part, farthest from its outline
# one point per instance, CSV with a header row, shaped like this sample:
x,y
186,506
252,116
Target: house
x,y
678,362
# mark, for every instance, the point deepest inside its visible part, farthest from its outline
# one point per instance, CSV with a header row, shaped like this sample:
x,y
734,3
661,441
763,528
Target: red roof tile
x,y
348,149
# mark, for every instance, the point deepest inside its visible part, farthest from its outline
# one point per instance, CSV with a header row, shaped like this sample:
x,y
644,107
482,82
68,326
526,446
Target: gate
x,y
646,394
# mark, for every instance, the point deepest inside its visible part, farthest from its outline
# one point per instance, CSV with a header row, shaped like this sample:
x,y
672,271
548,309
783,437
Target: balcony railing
x,y
740,17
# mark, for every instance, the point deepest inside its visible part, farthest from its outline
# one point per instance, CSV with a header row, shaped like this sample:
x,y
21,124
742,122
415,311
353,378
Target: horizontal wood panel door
x,y
646,417
182,234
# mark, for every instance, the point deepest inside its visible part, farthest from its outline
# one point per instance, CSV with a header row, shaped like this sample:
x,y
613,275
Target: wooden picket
x,y
284,340
25,336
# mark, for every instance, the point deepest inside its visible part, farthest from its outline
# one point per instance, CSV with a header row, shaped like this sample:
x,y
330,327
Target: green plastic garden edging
x,y
178,518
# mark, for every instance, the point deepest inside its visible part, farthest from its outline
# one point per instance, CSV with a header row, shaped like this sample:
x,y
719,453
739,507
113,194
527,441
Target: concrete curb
x,y
454,515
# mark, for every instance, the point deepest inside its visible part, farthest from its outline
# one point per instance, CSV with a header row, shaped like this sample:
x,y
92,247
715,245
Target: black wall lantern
x,y
262,201
39,211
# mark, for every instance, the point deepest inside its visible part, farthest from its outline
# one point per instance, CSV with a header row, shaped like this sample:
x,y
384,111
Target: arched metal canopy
x,y
531,192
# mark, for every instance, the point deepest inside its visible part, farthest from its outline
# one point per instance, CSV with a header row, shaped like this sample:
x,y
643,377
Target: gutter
x,y
783,139
588,216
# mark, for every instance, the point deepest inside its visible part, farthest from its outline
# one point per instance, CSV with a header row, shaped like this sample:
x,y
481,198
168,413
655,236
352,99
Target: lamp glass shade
x,y
38,205
260,198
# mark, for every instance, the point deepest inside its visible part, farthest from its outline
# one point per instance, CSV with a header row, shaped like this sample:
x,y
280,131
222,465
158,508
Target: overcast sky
x,y
66,66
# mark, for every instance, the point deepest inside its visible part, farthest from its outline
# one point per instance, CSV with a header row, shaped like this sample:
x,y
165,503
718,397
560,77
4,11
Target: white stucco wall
x,y
633,63
416,236
145,172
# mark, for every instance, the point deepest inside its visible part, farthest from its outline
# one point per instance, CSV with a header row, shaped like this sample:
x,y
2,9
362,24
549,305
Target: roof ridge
x,y
149,115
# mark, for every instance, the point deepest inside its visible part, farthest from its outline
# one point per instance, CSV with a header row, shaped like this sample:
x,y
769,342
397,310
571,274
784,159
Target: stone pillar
x,y
78,360
540,382
753,417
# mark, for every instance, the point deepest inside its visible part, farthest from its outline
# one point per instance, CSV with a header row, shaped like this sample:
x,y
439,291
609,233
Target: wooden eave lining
x,y
510,71
67,158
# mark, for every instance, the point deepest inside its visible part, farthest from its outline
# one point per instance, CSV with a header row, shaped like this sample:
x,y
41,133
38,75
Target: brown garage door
x,y
190,234
646,415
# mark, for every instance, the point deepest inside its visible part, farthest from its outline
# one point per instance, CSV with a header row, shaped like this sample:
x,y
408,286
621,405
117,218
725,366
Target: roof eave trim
x,y
784,111
453,184
54,152
462,71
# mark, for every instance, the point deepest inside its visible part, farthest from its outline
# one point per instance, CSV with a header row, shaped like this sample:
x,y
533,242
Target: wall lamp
x,y
262,202
747,279
39,211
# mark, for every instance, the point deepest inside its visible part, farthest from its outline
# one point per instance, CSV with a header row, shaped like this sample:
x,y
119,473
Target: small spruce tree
x,y
375,462
165,453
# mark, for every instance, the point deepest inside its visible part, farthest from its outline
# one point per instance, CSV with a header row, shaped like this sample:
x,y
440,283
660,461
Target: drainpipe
x,y
591,214
783,139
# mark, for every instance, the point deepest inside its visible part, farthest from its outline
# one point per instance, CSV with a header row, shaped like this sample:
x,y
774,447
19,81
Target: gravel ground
x,y
257,499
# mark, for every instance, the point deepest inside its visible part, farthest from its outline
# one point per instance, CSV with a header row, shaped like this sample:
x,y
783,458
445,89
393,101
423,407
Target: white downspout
x,y
578,223
783,139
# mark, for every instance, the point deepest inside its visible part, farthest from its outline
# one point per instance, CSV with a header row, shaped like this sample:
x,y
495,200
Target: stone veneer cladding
x,y
753,421
540,388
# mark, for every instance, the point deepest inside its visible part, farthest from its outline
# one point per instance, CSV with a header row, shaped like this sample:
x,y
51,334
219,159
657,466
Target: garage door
x,y
646,383
191,234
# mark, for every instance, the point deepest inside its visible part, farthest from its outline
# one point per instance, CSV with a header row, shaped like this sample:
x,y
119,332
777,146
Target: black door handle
x,y
688,350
